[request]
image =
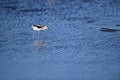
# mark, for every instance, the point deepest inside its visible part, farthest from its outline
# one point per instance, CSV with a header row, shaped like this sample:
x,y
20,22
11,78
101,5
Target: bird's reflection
x,y
37,45
50,2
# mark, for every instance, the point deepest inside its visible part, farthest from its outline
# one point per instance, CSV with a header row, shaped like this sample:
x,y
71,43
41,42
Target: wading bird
x,y
39,28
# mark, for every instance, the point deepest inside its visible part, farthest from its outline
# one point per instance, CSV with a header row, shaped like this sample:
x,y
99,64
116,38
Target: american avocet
x,y
39,28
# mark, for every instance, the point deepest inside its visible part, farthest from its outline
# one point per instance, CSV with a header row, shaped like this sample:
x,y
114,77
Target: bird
x,y
39,28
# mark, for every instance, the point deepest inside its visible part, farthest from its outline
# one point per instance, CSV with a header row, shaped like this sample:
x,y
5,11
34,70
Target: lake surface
x,y
73,48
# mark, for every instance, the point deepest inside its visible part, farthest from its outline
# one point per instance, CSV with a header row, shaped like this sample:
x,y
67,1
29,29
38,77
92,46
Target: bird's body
x,y
39,27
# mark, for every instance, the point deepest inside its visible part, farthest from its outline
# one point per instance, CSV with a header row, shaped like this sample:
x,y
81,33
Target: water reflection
x,y
50,2
37,45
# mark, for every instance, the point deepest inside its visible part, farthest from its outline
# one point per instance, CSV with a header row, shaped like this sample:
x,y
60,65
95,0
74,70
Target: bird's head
x,y
45,27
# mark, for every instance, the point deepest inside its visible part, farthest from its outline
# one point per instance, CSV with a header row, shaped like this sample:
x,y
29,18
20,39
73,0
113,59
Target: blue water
x,y
73,48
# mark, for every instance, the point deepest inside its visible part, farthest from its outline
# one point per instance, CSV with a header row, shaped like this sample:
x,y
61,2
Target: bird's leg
x,y
33,34
38,34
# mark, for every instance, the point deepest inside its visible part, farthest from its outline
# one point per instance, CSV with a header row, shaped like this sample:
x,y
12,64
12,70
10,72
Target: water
x,y
72,48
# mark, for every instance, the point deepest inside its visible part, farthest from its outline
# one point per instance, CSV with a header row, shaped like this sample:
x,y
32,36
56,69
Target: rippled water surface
x,y
73,48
